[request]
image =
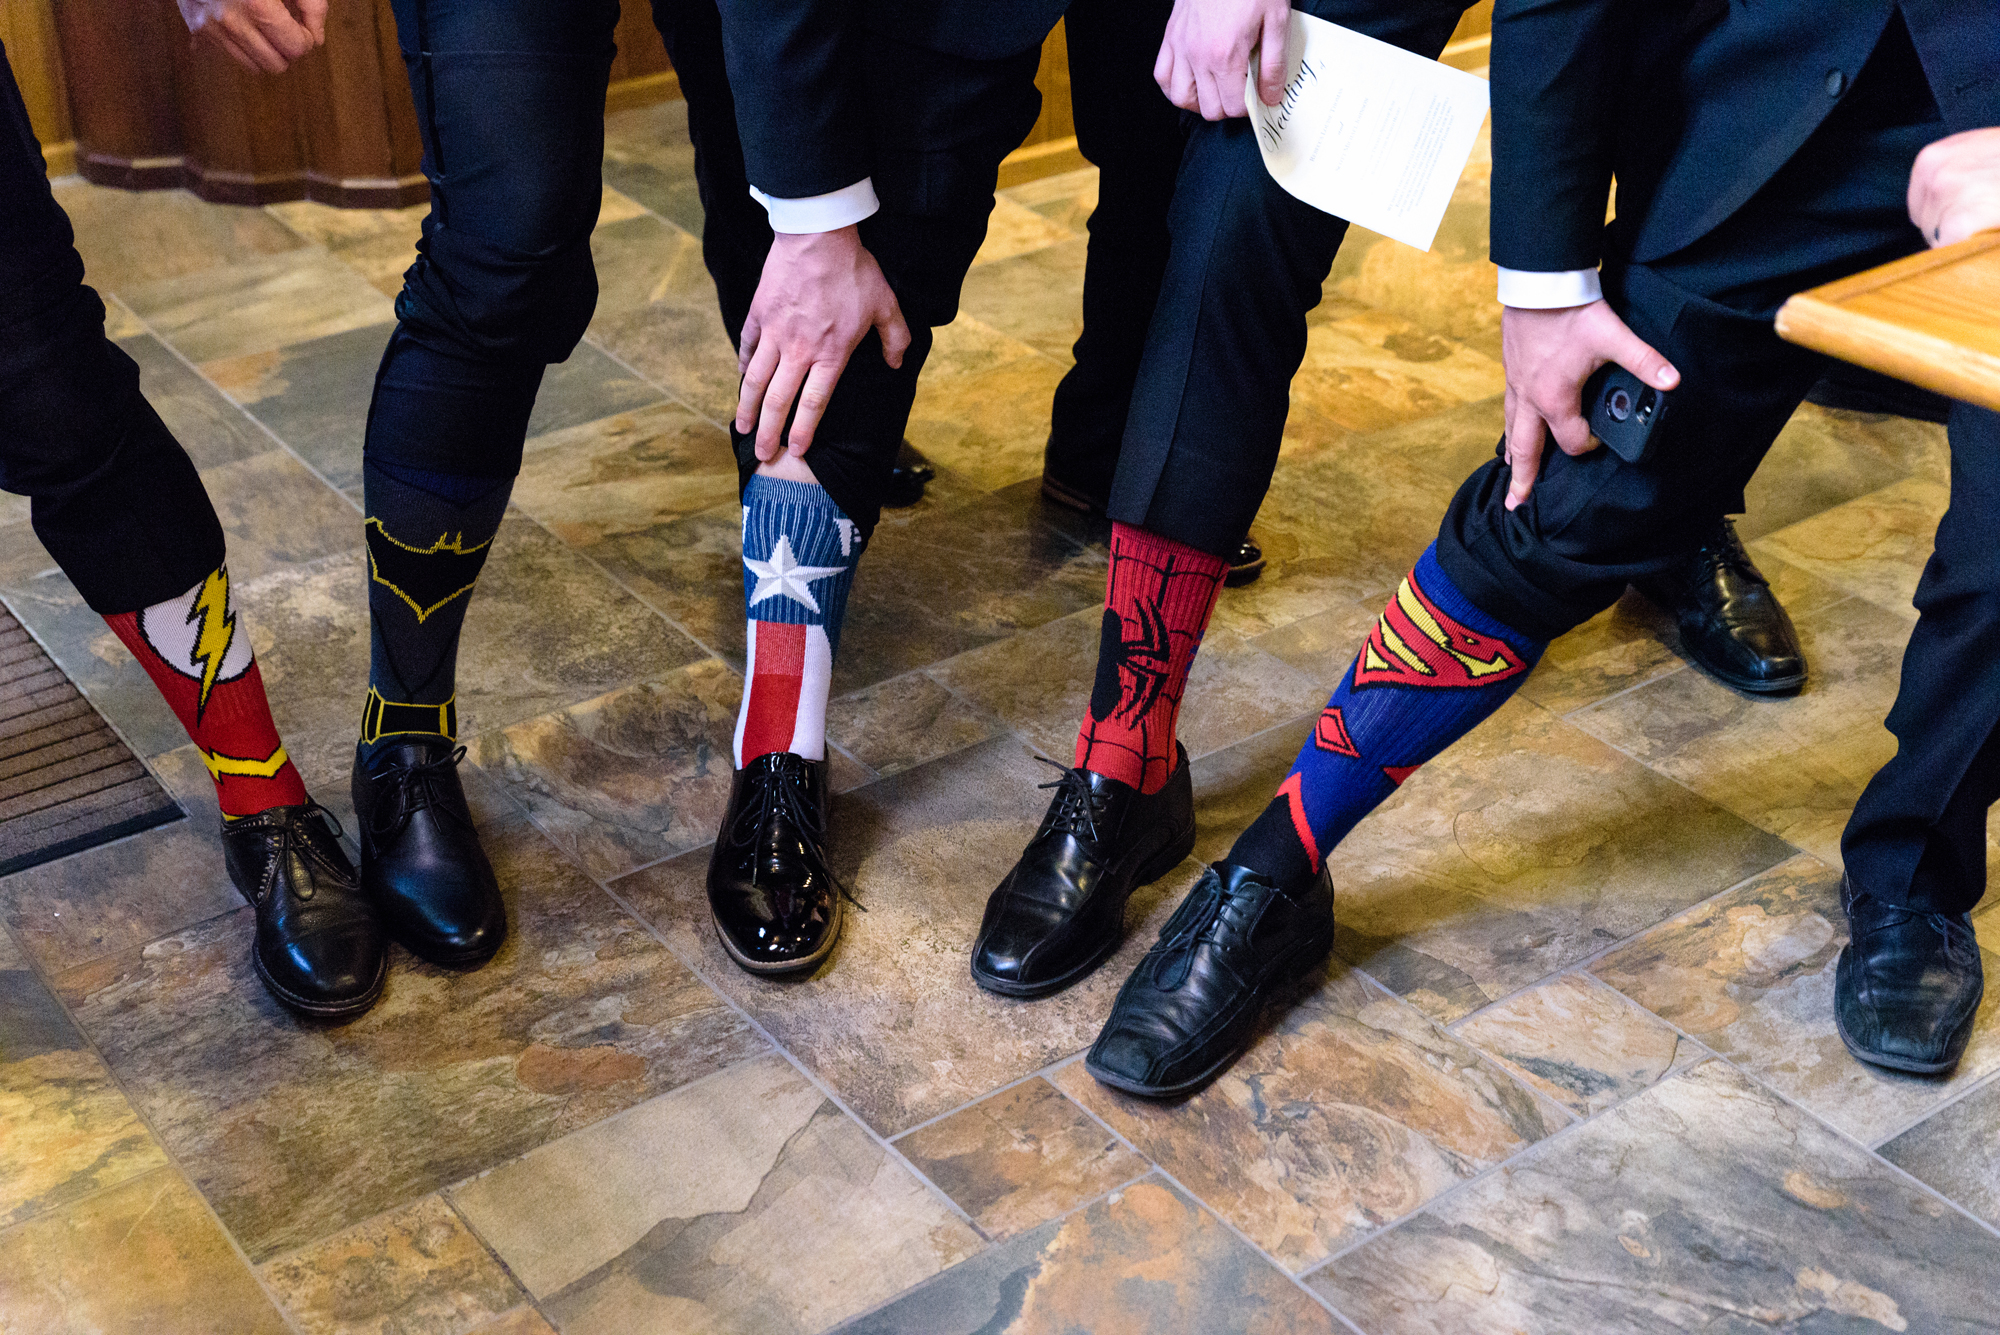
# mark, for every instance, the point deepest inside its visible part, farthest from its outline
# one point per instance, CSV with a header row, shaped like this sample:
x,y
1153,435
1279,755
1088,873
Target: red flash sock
x,y
1157,601
198,654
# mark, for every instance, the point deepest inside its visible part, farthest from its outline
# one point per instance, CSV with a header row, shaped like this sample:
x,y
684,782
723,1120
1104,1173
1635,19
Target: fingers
x,y
1208,96
1163,65
746,346
786,382
244,34
1637,356
1271,63
813,399
313,14
895,332
1181,89
1572,431
1524,453
756,380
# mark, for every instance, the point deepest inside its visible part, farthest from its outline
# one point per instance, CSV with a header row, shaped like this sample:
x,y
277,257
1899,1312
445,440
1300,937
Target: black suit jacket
x,y
1692,106
800,103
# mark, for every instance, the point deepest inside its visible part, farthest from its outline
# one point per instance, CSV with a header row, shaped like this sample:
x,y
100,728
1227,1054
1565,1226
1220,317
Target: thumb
x,y
895,333
1271,57
1638,356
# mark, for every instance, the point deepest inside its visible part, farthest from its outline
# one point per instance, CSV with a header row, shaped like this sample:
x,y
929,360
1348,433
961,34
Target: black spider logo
x,y
1147,658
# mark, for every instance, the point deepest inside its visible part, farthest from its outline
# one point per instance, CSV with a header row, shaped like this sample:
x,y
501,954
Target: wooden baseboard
x,y
60,159
227,187
1031,162
644,91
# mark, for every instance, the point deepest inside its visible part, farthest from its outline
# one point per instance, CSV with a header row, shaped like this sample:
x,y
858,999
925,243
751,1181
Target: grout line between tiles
x,y
1851,1139
1990,1078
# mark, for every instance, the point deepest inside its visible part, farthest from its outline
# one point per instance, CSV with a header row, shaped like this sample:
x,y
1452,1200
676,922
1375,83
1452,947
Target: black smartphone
x,y
1624,411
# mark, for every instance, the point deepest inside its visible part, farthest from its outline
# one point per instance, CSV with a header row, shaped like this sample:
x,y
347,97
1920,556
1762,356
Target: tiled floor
x,y
1571,1068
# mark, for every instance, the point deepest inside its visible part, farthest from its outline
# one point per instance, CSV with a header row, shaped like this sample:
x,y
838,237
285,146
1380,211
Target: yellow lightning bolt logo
x,y
218,628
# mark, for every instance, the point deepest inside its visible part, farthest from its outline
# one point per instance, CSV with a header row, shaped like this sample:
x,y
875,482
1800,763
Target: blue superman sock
x,y
1433,667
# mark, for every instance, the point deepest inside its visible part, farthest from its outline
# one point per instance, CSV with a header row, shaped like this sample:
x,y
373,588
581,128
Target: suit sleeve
x,y
795,76
1556,66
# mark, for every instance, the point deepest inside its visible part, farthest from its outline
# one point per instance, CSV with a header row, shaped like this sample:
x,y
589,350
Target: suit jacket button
x,y
1836,83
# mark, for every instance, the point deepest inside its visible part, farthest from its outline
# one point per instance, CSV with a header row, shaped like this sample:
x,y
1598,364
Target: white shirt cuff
x,y
1531,291
820,213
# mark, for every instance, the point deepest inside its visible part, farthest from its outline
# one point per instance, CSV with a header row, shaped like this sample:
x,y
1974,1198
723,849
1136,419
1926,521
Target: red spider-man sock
x,y
1157,601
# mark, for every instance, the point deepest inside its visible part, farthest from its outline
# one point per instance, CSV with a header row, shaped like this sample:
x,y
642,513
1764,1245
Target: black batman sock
x,y
428,535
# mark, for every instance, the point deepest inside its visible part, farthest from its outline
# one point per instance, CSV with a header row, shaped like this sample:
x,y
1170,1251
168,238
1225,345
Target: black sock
x,y
428,535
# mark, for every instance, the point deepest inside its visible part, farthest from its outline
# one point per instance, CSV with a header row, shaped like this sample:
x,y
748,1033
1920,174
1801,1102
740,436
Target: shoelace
x,y
781,792
413,790
1959,942
1076,806
1176,953
291,836
1727,553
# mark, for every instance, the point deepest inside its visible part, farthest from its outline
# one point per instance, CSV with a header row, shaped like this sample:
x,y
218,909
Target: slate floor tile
x,y
1750,975
1875,545
1349,1112
418,1269
142,1256
1144,1259
69,1130
1953,1151
746,1202
1020,1157
1579,1043
296,1131
128,238
257,304
1704,1202
893,1020
625,473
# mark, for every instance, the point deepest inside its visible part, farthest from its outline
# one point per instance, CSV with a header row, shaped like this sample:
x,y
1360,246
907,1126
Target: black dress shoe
x,y
907,479
1191,1007
776,904
1061,911
1907,985
420,855
1731,624
1073,494
320,947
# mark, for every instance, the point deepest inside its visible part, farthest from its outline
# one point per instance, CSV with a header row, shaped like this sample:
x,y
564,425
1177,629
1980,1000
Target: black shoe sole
x,y
1308,955
1888,1062
320,1010
1238,576
764,969
1755,685
1159,865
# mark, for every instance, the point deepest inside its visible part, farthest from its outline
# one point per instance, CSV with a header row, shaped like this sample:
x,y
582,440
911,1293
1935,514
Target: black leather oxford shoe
x,y
1732,625
420,856
776,904
908,477
1907,985
1061,911
320,947
1191,1007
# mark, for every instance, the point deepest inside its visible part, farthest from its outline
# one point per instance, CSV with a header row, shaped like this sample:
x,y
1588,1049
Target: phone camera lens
x,y
1619,404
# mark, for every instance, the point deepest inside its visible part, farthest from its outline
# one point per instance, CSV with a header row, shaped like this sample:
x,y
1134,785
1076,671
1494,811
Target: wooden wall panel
x,y
28,30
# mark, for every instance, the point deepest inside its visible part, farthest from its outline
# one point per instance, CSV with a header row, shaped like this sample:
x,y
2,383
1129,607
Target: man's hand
x,y
819,296
1955,186
265,35
1204,61
1548,356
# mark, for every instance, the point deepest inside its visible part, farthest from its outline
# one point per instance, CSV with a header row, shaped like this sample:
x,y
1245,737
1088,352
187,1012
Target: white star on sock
x,y
783,577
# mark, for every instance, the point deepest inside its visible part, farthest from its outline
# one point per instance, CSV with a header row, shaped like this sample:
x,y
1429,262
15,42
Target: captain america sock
x,y
197,651
428,536
799,553
1158,597
1431,670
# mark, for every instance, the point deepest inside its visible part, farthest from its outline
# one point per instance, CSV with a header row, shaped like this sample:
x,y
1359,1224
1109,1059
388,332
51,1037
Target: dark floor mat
x,y
66,781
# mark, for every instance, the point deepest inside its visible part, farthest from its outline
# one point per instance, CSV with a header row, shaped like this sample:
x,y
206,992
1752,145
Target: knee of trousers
x,y
488,302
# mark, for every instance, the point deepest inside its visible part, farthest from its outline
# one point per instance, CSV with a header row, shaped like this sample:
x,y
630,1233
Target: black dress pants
x,y
116,500
1594,523
939,126
1246,267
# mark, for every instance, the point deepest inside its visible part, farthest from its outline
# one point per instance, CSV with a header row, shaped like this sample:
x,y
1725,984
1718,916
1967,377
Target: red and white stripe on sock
x,y
787,678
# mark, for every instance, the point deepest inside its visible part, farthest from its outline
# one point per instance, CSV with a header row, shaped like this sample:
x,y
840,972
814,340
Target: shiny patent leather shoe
x,y
908,477
1907,986
776,903
1061,911
320,948
1191,1007
1732,625
420,856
